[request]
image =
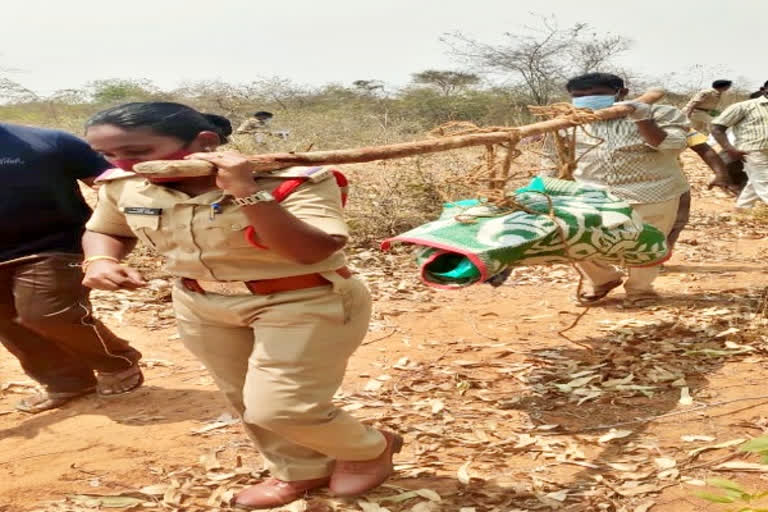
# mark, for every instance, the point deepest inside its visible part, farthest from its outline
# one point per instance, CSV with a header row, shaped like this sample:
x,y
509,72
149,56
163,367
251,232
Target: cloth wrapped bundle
x,y
473,242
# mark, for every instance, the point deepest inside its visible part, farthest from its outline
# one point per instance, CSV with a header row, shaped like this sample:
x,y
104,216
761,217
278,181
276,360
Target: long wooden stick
x,y
275,161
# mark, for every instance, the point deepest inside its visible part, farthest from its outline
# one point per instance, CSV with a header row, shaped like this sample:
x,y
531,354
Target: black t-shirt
x,y
41,207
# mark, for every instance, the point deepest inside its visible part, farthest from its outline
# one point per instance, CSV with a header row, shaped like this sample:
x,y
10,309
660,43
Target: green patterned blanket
x,y
486,242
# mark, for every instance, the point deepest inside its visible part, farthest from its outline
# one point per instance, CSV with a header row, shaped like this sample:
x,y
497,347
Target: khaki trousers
x,y
279,359
756,168
660,215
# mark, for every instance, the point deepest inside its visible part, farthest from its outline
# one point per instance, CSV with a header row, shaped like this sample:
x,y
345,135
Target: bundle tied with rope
x,y
479,240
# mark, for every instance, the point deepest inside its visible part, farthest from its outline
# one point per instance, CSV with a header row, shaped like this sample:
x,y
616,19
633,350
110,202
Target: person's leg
x,y
681,219
662,216
57,370
51,301
756,168
224,344
598,280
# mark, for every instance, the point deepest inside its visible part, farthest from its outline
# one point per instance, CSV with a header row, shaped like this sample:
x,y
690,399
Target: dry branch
x,y
275,161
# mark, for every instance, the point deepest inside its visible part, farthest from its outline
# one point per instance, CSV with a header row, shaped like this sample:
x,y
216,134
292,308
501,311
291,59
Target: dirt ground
x,y
498,410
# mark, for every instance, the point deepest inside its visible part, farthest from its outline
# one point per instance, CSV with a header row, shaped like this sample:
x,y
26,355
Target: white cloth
x,y
756,168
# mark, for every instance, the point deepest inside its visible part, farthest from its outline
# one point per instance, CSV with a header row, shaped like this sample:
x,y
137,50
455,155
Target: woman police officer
x,y
274,315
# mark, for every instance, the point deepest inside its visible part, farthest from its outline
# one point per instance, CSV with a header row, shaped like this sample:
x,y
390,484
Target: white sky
x,y
56,44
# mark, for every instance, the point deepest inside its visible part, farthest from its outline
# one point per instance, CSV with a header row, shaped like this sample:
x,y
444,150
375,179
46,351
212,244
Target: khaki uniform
x,y
700,107
278,358
254,128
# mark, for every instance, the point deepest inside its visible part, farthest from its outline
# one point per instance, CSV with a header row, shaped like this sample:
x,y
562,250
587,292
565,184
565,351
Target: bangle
x,y
87,261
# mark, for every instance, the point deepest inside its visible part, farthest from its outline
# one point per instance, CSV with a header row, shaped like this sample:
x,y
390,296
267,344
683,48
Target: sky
x,y
48,45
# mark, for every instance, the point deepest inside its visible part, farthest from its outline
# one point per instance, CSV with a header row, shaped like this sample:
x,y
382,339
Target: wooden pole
x,y
276,161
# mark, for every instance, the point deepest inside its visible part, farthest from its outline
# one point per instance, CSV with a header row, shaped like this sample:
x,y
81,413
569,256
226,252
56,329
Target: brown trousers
x,y
46,322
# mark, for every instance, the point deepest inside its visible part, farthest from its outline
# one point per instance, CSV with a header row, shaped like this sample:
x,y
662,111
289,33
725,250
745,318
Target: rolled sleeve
x,y
107,217
319,205
676,126
731,116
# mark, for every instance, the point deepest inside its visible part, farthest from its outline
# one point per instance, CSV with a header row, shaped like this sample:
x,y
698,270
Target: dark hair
x,y
717,84
264,114
757,94
591,80
164,118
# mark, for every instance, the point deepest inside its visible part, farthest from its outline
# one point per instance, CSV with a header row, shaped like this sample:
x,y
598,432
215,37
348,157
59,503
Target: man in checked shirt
x,y
634,158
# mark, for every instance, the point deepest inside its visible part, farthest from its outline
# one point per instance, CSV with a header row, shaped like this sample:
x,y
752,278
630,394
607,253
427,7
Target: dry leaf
x,y
463,474
614,434
429,494
740,465
726,444
425,506
644,506
637,490
367,506
437,406
685,396
373,385
664,463
694,438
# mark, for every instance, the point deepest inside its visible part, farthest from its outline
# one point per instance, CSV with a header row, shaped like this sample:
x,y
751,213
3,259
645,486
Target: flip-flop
x,y
46,400
598,293
106,381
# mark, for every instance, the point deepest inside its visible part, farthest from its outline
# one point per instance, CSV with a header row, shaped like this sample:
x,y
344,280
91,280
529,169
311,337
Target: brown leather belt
x,y
261,286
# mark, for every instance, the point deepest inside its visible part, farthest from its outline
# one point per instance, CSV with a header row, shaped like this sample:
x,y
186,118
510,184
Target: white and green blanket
x,y
485,242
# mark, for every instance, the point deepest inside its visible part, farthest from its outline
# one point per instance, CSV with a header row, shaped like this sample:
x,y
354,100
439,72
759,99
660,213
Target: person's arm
x,y
722,179
102,268
697,99
666,130
107,240
277,228
719,132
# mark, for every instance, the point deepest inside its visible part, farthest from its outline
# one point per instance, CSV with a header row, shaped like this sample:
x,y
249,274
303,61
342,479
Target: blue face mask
x,y
594,102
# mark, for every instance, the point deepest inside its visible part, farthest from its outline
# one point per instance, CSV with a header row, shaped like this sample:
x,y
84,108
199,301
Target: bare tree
x,y
542,57
448,82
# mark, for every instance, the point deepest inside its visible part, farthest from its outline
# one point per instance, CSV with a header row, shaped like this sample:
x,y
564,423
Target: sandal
x,y
598,292
47,400
119,382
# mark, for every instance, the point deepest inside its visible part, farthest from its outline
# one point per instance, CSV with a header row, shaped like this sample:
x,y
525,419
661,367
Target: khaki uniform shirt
x,y
252,126
705,100
202,237
749,122
612,155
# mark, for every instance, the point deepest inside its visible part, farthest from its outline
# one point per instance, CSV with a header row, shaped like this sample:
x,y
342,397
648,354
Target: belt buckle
x,y
225,287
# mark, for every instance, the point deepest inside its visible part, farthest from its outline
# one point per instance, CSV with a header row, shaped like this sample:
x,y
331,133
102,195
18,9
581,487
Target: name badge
x,y
140,210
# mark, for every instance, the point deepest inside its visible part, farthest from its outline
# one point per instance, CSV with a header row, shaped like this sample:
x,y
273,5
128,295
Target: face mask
x,y
127,164
594,102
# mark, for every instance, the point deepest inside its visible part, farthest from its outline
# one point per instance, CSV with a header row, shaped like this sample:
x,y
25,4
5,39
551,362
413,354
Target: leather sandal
x,y
125,380
598,292
47,400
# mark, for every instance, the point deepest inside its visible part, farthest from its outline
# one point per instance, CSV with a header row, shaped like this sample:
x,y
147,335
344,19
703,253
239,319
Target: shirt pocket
x,y
146,228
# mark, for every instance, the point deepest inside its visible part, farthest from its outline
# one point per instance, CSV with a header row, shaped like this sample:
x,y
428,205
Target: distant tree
x,y
13,91
368,86
115,90
448,82
541,58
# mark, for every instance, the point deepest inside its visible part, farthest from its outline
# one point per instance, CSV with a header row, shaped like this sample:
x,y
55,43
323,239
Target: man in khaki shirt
x,y
749,122
703,106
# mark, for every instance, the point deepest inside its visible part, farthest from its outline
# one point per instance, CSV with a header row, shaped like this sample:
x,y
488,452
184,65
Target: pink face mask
x,y
127,164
